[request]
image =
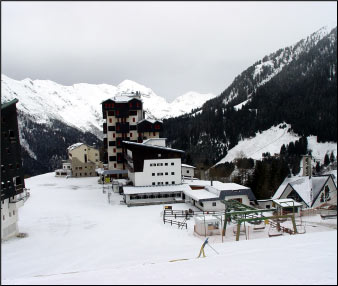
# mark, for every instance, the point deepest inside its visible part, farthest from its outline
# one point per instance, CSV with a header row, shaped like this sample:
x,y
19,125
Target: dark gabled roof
x,y
227,193
9,103
151,146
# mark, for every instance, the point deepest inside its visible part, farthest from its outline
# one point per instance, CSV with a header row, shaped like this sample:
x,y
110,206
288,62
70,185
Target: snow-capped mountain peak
x,y
79,105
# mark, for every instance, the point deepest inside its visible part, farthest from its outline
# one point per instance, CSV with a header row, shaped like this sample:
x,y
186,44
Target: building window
x,y
110,120
13,212
172,173
159,174
201,204
167,183
214,204
166,173
10,214
327,193
166,164
110,113
3,217
134,119
172,164
11,133
188,171
154,133
153,174
130,134
173,182
153,183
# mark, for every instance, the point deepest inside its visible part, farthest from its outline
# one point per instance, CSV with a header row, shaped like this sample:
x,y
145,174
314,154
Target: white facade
x,y
327,195
154,194
158,172
188,171
208,225
9,217
312,191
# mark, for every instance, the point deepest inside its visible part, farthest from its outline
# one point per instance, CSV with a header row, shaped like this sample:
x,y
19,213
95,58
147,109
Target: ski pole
x,y
213,249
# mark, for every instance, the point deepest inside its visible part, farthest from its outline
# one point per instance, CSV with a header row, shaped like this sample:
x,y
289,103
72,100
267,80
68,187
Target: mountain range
x,y
296,85
71,114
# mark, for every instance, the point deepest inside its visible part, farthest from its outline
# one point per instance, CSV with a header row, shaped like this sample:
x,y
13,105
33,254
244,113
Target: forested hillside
x,y
296,85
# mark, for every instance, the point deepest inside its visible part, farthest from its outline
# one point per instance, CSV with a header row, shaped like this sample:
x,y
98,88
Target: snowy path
x,y
76,237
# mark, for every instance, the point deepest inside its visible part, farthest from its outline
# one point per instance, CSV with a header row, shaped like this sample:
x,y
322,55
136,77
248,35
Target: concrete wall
x,y
93,155
146,177
9,218
80,169
208,229
80,152
130,201
219,206
187,172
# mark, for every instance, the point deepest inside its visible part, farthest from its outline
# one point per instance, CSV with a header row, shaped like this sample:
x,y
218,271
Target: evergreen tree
x,y
332,158
326,160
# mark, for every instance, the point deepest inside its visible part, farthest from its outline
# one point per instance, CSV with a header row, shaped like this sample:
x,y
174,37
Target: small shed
x,y
208,225
188,171
287,206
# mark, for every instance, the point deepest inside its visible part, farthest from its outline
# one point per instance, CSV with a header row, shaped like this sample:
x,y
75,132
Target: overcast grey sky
x,y
171,47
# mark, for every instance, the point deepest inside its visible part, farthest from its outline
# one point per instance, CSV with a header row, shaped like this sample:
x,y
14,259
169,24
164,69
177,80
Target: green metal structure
x,y
240,213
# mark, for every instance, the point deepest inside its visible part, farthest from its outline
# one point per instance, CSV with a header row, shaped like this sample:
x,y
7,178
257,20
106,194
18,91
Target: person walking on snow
x,y
202,248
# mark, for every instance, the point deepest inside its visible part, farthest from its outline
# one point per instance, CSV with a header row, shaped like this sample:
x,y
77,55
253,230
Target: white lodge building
x,y
153,165
155,172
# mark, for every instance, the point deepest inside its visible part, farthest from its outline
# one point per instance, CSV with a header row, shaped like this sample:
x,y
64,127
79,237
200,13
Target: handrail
x,y
178,223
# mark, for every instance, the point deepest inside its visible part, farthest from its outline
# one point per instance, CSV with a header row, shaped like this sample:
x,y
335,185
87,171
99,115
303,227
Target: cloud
x,y
171,47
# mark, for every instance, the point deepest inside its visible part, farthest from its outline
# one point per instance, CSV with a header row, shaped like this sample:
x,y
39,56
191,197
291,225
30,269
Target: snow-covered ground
x,y
271,141
76,237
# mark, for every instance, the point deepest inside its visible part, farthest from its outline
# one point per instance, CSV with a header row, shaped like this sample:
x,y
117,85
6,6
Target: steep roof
x,y
130,190
9,103
151,146
74,146
188,166
308,188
